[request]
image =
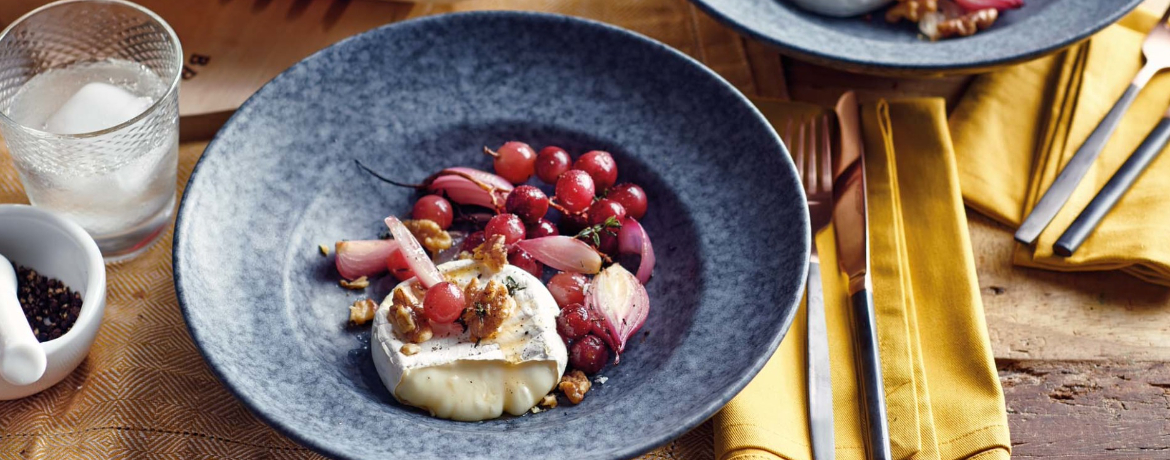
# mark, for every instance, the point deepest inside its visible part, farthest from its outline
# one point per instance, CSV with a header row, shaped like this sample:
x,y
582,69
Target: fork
x,y
1156,50
818,187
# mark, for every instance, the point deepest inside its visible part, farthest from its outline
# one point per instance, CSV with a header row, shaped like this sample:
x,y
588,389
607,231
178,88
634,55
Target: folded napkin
x,y
1015,128
942,390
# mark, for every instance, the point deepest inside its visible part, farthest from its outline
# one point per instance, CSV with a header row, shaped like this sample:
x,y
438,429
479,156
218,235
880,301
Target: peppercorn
x,y
49,305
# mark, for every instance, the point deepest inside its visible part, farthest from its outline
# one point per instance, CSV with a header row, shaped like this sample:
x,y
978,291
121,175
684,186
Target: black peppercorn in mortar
x,y
49,305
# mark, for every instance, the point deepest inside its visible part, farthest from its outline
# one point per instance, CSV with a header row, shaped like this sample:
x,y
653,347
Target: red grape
x,y
575,190
527,202
574,322
433,207
600,166
541,228
571,224
568,288
608,242
473,241
443,303
398,266
515,162
505,224
632,197
605,208
589,354
524,261
551,162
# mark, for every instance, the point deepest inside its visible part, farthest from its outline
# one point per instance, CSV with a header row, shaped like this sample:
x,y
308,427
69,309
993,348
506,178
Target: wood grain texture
x,y
1038,314
1087,409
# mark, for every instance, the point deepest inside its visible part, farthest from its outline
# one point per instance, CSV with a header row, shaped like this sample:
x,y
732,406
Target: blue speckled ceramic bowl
x,y
726,214
856,44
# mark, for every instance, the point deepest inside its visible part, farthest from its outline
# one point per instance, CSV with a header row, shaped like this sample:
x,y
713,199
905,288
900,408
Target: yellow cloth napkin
x,y
943,393
1015,128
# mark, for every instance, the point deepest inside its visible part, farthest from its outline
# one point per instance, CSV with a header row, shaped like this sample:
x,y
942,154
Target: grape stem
x,y
490,152
387,179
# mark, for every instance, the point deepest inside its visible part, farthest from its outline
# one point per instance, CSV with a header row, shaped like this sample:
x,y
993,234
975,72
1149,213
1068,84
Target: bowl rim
x,y
92,304
735,386
874,65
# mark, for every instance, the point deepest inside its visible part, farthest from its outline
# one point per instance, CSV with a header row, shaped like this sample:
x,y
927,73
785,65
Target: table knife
x,y
1109,195
1156,49
851,224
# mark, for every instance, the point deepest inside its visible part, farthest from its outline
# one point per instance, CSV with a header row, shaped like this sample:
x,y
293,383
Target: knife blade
x,y
851,224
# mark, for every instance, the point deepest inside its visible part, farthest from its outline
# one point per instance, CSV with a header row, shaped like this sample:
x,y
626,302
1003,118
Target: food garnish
x,y
632,239
574,385
360,258
362,312
563,253
514,161
356,285
433,238
415,256
487,309
939,19
470,263
620,301
492,253
407,317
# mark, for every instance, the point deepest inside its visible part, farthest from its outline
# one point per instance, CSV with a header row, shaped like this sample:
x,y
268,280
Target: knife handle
x,y
1122,180
869,368
1058,193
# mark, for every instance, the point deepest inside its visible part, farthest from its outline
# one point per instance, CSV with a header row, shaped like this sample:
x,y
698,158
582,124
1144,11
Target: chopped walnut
x,y
911,10
549,401
967,24
487,309
429,234
574,385
410,349
362,312
492,253
406,315
356,285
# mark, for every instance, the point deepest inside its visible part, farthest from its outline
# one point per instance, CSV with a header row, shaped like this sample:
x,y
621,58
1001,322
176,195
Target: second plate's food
x,y
935,19
473,330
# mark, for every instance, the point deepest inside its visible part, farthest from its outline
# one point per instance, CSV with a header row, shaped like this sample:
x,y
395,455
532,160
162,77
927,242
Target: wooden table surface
x,y
1084,358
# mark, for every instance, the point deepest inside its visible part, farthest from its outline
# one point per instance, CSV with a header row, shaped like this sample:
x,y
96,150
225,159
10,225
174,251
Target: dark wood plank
x,y
1088,409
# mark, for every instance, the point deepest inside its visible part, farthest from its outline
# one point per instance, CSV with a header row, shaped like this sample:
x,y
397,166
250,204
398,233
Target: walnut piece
x,y
493,254
574,385
362,312
356,285
967,24
429,234
487,309
410,349
406,316
911,10
549,401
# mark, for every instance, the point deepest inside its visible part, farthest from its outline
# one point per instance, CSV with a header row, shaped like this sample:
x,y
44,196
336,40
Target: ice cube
x,y
96,106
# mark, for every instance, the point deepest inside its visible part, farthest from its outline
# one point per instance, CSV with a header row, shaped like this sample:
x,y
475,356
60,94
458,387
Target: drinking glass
x,y
89,96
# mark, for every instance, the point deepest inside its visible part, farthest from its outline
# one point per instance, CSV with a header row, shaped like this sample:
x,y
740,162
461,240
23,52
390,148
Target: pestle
x,y
22,359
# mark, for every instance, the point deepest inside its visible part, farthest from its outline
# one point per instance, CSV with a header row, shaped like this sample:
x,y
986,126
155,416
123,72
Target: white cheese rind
x,y
456,379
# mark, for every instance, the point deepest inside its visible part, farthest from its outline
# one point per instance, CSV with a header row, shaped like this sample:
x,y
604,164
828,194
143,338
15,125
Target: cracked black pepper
x,y
49,305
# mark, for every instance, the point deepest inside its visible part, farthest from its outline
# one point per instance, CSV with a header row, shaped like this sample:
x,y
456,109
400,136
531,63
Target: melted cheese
x,y
456,379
